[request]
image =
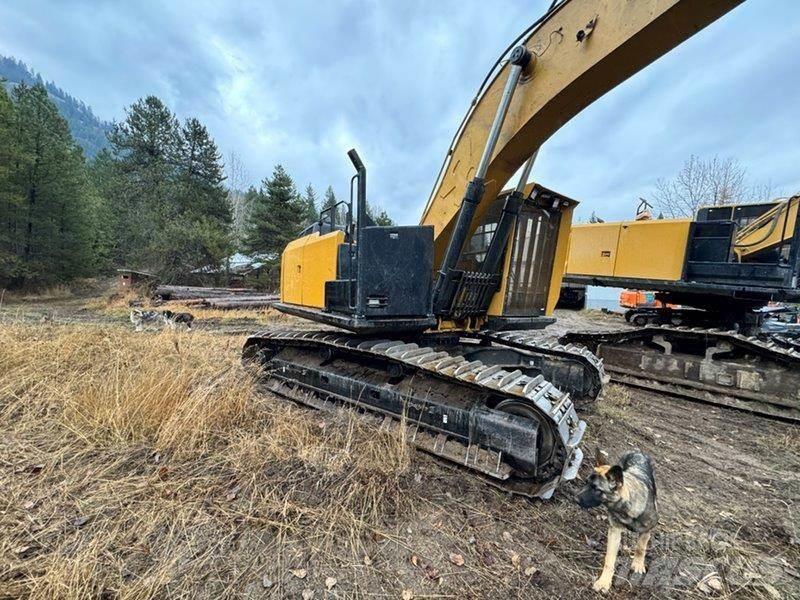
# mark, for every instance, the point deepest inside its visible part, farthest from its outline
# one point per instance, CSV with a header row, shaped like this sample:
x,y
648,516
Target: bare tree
x,y
237,196
706,183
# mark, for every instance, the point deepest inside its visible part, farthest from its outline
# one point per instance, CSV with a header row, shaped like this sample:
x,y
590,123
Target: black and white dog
x,y
172,319
145,318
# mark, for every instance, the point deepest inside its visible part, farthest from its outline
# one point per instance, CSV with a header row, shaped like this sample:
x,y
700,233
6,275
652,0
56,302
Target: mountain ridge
x,y
88,129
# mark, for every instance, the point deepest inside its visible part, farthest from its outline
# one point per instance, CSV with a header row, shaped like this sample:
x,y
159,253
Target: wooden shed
x,y
130,278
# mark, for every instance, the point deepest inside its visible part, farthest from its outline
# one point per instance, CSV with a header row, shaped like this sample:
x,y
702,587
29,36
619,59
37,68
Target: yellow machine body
x,y
309,262
306,264
500,304
630,249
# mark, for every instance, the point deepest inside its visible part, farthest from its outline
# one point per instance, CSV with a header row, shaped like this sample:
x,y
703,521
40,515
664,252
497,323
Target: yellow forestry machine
x,y
433,321
711,334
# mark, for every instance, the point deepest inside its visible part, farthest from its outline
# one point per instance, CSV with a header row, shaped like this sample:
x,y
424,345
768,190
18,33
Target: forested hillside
x,y
87,130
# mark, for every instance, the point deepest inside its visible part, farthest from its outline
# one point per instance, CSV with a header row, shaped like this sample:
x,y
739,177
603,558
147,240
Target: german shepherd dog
x,y
172,319
628,492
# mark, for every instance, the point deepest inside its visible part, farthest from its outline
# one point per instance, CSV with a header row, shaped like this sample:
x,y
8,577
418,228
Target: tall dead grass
x,y
53,292
148,466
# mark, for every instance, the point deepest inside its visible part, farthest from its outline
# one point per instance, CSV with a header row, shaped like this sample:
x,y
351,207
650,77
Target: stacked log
x,y
242,302
219,298
188,292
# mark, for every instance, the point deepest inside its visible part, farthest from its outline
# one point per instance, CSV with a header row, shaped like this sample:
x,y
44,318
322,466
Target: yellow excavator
x,y
433,321
711,334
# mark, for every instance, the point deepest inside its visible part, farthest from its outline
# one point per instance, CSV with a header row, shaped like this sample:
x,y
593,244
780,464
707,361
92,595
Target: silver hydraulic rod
x,y
526,173
499,118
444,289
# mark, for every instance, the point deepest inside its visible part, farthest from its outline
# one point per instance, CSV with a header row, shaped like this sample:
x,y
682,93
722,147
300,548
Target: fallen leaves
x,y
367,560
330,582
710,584
407,595
80,521
457,559
31,469
592,543
299,573
430,571
266,582
308,594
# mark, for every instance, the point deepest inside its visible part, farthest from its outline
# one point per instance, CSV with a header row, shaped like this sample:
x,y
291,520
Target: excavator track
x,y
514,429
709,365
587,373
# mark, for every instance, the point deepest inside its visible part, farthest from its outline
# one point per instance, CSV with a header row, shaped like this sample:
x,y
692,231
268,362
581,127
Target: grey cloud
x,y
301,82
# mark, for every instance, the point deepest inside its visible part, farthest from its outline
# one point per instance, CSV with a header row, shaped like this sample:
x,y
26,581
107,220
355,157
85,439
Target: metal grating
x,y
535,240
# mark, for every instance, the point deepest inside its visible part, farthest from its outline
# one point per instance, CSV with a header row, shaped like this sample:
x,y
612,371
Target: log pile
x,y
219,298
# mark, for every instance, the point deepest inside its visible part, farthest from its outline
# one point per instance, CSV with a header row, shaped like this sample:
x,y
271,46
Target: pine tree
x,y
201,175
309,201
338,215
195,228
146,148
148,137
168,192
10,196
276,217
101,173
53,220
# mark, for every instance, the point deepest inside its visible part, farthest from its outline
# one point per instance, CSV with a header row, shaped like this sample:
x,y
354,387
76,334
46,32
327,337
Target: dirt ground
x,y
253,512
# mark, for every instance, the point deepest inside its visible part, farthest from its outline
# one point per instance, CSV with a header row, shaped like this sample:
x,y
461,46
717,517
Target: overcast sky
x,y
301,82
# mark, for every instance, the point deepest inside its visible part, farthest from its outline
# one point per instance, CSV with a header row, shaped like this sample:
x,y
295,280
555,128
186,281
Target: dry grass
x,y
150,466
54,292
615,401
145,466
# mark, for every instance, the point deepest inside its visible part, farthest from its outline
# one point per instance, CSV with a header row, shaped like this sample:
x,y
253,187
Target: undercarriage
x,y
761,375
485,402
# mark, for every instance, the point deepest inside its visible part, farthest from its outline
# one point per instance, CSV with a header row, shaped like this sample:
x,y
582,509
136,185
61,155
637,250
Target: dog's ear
x,y
599,459
614,476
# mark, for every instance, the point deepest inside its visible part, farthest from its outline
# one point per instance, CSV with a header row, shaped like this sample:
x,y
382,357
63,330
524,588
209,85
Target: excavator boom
x,y
580,50
772,230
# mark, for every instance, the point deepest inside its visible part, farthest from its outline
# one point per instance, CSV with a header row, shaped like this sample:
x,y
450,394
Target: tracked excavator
x,y
427,329
709,335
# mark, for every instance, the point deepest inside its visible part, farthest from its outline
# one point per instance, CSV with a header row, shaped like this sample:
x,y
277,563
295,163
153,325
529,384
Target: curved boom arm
x,y
581,50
